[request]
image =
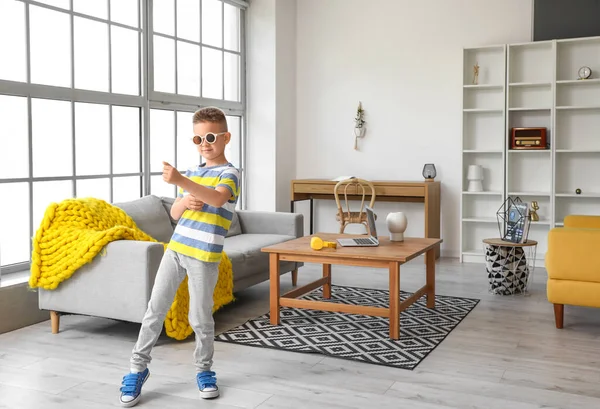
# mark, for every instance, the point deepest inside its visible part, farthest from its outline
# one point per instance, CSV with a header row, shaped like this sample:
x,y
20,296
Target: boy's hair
x,y
210,114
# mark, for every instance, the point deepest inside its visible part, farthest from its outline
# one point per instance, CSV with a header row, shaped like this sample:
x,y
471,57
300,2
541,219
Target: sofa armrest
x,y
117,283
585,221
571,254
261,222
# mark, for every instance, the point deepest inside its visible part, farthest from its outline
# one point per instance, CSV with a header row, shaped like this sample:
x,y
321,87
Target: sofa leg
x,y
55,320
559,313
294,277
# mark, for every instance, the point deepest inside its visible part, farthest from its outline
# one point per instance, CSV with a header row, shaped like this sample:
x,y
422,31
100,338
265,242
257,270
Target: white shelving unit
x,y
530,85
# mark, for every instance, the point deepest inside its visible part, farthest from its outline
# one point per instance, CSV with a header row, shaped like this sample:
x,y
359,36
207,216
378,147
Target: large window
x,y
95,94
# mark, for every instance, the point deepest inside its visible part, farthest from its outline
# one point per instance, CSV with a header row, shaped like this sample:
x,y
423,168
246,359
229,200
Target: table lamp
x,y
475,176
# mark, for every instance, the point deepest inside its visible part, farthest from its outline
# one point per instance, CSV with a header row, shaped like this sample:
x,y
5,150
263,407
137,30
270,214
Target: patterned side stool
x,y
509,265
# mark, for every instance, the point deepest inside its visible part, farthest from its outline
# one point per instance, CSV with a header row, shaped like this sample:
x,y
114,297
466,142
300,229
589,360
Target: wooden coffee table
x,y
388,255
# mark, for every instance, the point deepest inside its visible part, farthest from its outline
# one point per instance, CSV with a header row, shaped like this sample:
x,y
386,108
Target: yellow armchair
x,y
572,266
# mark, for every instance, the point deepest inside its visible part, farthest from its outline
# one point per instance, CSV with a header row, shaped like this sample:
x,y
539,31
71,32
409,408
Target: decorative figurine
x,y
578,191
476,73
533,212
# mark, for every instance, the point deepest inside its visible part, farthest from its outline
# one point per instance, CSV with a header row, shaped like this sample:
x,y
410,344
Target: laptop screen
x,y
371,221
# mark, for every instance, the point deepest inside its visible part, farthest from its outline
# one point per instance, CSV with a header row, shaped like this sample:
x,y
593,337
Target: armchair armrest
x,y
571,254
117,283
578,220
260,222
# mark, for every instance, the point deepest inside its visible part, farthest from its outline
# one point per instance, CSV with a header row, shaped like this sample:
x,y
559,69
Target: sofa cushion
x,y
236,227
252,259
150,216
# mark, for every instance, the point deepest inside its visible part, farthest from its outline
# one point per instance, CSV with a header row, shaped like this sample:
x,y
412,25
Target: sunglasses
x,y
210,138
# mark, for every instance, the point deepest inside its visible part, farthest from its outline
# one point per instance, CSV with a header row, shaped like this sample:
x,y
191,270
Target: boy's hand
x,y
170,174
193,203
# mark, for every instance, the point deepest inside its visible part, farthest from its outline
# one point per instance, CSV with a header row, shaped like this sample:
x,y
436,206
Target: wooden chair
x,y
355,188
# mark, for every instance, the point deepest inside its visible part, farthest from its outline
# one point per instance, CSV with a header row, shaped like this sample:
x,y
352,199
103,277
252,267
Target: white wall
x,y
403,60
271,78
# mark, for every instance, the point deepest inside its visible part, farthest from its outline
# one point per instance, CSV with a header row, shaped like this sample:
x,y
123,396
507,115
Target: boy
x,y
204,207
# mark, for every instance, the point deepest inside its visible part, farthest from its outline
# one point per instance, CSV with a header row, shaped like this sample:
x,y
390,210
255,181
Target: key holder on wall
x,y
359,125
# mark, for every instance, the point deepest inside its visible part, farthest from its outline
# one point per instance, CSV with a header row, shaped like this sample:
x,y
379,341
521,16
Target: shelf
x,y
583,195
495,193
484,86
529,109
571,107
484,110
589,81
577,151
540,194
538,151
481,151
480,220
530,84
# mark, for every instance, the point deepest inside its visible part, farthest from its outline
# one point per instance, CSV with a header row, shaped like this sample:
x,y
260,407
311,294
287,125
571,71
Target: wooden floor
x,y
505,354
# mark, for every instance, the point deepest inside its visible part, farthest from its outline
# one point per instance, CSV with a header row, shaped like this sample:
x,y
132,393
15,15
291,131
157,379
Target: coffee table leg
x,y
275,287
394,300
327,286
430,259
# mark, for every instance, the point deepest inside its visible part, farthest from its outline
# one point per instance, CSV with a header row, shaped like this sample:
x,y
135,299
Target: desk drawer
x,y
416,191
323,189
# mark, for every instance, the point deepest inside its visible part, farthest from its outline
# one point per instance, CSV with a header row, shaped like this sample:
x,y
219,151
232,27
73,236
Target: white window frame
x,y
148,99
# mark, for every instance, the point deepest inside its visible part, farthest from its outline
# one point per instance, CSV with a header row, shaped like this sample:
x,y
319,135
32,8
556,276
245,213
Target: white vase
x,y
359,132
396,224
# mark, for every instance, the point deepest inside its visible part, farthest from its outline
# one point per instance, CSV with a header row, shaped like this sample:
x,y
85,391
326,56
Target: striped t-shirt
x,y
201,234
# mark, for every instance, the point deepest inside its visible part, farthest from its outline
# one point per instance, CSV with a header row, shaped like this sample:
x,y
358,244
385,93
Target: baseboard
x,y
19,308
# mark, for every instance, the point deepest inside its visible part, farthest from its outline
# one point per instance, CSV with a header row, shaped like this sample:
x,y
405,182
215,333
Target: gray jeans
x,y
202,279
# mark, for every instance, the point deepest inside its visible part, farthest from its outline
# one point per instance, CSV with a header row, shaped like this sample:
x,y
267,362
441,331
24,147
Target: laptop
x,y
371,241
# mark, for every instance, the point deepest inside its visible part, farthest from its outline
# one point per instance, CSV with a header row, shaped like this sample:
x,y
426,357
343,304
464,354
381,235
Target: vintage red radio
x,y
528,138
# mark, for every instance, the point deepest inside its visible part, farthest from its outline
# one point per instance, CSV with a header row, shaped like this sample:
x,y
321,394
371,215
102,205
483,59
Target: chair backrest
x,y
354,187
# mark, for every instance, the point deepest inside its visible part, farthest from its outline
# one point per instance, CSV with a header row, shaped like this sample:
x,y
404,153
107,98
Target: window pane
x,y
50,47
188,69
233,149
64,4
188,19
231,34
232,77
124,12
187,152
92,139
12,33
164,16
125,68
126,139
45,193
212,26
164,64
14,223
162,139
212,73
159,187
52,138
96,188
14,146
91,54
127,188
96,8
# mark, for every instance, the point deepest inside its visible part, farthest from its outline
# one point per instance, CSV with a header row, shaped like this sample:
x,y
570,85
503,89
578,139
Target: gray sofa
x,y
117,284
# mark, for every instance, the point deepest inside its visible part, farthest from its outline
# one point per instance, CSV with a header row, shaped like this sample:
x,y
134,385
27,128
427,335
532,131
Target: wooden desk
x,y
428,193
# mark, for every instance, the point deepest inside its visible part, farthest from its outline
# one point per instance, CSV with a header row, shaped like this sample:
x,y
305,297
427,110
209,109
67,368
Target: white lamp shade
x,y
475,172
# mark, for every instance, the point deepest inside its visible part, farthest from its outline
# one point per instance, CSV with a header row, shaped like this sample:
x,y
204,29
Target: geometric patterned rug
x,y
357,337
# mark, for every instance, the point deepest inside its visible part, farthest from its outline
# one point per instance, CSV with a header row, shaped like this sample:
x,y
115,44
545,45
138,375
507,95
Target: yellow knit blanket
x,y
74,231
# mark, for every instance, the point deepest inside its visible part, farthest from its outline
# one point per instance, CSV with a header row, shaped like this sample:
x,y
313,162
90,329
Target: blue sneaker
x,y
131,391
207,384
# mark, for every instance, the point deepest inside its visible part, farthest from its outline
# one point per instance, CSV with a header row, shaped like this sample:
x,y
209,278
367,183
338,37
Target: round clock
x,y
584,73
